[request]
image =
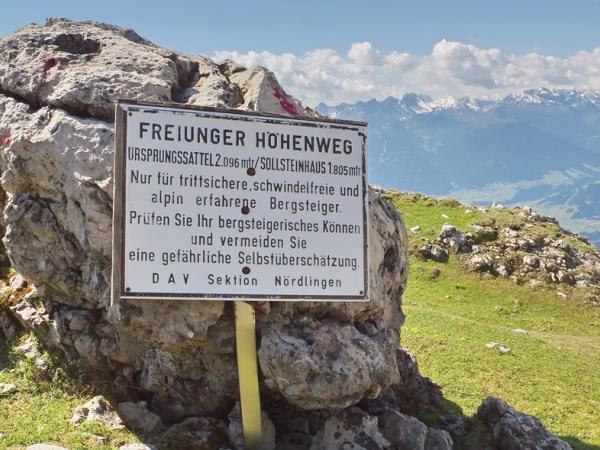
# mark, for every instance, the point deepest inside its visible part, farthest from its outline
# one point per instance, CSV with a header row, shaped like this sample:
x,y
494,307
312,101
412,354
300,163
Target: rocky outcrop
x,y
317,361
521,251
58,86
512,429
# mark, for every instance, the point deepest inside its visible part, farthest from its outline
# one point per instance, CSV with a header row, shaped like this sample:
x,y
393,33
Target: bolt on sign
x,y
223,204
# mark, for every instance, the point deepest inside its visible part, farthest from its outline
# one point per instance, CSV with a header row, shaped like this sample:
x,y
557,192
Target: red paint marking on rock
x,y
5,139
48,64
284,100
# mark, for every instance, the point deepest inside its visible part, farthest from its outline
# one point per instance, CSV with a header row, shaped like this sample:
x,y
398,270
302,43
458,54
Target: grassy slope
x,y
551,372
41,409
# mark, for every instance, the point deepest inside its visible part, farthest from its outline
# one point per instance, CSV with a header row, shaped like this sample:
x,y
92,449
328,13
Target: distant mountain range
x,y
539,148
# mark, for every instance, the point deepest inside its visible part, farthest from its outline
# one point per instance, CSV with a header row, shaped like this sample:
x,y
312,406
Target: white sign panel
x,y
218,204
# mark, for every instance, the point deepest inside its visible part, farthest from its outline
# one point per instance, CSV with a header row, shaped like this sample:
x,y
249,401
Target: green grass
x,y
551,372
43,405
428,213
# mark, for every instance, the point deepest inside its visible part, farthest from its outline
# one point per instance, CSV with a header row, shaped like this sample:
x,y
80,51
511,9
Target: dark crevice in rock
x,y
184,80
35,105
85,112
391,258
127,33
99,196
76,44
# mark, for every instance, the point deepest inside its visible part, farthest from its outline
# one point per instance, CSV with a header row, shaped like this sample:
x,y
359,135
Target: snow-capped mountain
x,y
538,147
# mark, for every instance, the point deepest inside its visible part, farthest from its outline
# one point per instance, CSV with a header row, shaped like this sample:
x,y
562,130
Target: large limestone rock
x,y
58,85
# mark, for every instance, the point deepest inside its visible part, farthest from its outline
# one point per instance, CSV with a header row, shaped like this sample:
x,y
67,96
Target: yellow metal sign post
x,y
245,335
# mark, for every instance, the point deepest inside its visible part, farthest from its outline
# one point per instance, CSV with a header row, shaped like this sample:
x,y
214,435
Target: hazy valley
x,y
539,148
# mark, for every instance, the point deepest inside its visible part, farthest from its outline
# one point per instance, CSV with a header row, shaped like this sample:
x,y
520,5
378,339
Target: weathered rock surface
x,y
7,388
434,252
235,430
138,418
512,429
351,429
58,86
8,328
45,447
97,409
196,433
408,432
137,447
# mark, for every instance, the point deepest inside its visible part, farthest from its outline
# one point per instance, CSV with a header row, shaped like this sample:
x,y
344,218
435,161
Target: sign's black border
x,y
123,107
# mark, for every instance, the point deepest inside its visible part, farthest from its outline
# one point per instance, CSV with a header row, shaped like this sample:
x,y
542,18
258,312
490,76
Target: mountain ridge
x,y
525,97
537,147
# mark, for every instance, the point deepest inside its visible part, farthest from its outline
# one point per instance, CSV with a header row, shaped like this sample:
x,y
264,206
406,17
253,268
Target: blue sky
x,y
555,27
264,32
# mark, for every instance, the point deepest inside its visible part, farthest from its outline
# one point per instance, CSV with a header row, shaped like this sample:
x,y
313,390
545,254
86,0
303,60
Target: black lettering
x,y
143,129
156,131
169,132
239,138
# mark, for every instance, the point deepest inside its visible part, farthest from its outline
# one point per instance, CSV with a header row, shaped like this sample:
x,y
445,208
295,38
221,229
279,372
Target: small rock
x,y
350,429
97,409
519,331
235,432
439,254
197,433
7,388
137,417
483,234
403,431
512,429
510,233
8,327
468,211
415,229
17,282
539,218
45,447
434,252
29,349
455,239
1,436
454,424
531,261
137,447
78,322
438,440
445,216
562,295
500,269
495,346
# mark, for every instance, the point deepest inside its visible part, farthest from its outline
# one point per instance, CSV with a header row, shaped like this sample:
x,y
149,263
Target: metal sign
x,y
221,204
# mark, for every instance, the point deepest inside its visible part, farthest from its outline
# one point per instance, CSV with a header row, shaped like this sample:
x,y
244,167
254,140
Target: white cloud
x,y
452,69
